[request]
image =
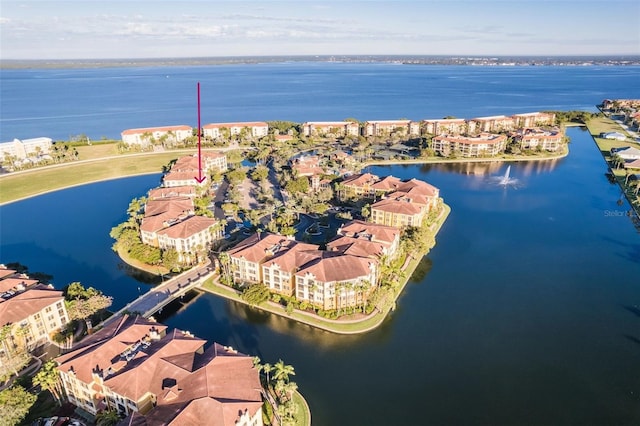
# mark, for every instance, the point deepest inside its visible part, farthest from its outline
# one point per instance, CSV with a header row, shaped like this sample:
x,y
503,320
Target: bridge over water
x,y
161,295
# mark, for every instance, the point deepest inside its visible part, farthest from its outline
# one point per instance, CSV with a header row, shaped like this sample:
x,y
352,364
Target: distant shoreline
x,y
613,60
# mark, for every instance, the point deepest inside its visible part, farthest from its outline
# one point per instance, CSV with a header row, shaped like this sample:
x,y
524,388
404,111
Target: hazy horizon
x,y
146,29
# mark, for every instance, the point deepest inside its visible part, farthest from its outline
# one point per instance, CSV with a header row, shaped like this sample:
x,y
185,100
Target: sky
x,y
106,29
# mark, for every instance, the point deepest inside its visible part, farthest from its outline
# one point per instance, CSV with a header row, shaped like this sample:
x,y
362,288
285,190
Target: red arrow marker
x,y
199,178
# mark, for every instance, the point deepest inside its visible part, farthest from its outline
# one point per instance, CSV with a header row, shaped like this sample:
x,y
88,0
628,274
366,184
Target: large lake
x,y
527,311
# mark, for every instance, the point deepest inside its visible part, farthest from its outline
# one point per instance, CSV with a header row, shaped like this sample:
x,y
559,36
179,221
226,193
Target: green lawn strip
x,y
303,414
336,326
599,125
151,269
96,151
17,186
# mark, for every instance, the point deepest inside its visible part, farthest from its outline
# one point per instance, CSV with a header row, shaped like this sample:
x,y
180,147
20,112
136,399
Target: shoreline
x,y
432,160
373,320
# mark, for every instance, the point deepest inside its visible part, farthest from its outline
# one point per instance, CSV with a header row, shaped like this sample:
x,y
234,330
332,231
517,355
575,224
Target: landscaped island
x,y
309,235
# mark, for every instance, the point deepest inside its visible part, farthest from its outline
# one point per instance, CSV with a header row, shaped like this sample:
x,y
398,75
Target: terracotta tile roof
x,y
188,227
174,206
418,186
103,349
172,192
328,266
375,232
155,129
286,259
404,122
162,212
397,206
220,384
6,272
483,138
241,124
258,248
387,183
356,247
635,164
360,180
11,283
181,176
29,302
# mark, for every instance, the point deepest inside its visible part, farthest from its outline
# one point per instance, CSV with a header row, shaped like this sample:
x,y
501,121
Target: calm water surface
x,y
526,312
104,101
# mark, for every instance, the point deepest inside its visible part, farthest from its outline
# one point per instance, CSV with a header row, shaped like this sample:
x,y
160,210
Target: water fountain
x,y
505,179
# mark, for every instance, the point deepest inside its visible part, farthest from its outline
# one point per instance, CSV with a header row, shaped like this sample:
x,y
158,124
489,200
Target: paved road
x,y
157,294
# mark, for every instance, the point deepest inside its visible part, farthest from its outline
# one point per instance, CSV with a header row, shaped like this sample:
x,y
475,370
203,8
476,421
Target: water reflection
x,y
525,168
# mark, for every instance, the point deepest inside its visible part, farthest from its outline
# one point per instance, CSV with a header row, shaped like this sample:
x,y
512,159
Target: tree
x,y
48,378
82,303
108,417
12,358
283,371
267,368
15,403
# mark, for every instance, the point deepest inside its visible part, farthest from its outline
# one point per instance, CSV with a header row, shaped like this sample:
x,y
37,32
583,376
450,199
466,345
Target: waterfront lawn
x,y
303,415
41,180
96,151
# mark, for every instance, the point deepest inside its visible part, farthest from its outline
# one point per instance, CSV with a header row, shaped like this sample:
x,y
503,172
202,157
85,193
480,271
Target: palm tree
x,y
108,417
267,368
283,371
47,378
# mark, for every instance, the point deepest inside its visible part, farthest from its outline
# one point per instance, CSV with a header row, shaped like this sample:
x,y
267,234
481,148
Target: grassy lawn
x,y
95,151
303,415
604,124
39,181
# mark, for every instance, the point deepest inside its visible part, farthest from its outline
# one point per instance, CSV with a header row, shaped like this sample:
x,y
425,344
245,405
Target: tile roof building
x,y
450,126
484,144
36,309
144,136
538,138
255,129
331,128
407,206
161,377
186,169
333,280
390,127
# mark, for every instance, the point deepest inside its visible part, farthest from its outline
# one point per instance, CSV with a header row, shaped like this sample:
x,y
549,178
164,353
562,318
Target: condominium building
x,y
278,273
538,138
25,148
497,123
248,256
254,129
331,128
484,144
350,239
534,119
186,169
157,376
162,213
391,127
33,311
407,206
190,236
333,280
145,136
448,126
